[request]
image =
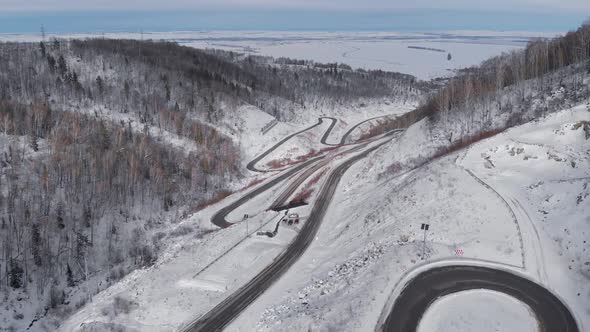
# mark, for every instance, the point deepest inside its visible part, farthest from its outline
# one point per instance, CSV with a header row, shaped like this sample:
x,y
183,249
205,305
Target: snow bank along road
x,y
221,315
426,287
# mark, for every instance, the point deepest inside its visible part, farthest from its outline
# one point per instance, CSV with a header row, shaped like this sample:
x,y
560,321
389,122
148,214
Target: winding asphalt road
x,y
353,128
226,311
281,200
324,138
219,217
424,289
252,164
417,295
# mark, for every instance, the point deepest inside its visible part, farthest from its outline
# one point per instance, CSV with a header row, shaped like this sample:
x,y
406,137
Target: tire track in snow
x,y
540,256
514,219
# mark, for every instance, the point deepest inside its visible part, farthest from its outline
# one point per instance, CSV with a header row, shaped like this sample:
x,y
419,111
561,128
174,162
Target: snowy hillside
x,y
518,199
510,202
108,145
149,186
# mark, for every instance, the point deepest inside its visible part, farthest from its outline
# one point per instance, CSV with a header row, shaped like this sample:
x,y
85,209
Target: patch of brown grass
x,y
306,192
253,183
280,163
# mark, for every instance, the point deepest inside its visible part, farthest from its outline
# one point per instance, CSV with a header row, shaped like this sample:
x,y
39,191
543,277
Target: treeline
x,y
202,82
143,77
509,89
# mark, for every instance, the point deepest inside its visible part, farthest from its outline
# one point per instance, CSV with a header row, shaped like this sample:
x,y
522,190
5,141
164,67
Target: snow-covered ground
x,y
542,170
371,237
478,310
369,50
519,199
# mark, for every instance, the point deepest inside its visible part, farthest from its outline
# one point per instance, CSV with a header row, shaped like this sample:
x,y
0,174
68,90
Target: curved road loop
x,y
226,311
252,164
345,136
219,217
409,307
324,138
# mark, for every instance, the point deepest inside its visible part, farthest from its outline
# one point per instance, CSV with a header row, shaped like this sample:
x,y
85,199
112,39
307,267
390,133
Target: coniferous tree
x,y
15,275
42,48
62,66
100,84
36,244
59,215
70,276
33,141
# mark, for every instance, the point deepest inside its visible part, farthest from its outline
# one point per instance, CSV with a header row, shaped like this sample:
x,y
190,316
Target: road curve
x,y
226,311
345,136
430,285
252,164
219,217
294,185
324,138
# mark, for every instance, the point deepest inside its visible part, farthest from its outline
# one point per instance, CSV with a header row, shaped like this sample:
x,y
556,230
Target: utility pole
x,y
425,228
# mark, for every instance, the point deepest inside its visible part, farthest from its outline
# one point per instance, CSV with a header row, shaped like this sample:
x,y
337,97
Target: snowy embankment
x,y
524,206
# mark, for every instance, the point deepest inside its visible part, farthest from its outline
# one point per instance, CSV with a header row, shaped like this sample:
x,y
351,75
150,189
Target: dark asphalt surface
x,y
252,164
222,314
353,128
294,185
219,217
424,289
324,138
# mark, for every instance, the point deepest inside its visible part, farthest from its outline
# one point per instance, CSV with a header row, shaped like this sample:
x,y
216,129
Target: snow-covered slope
x,y
500,206
517,201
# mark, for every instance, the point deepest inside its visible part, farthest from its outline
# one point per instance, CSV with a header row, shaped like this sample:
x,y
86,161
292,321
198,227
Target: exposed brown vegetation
x,y
465,142
276,164
253,183
388,124
308,189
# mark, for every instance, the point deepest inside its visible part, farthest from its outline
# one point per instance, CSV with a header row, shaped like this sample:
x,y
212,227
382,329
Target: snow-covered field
x,y
478,310
423,55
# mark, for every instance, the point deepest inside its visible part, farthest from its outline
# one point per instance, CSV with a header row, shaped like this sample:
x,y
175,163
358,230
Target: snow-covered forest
x,y
508,90
105,141
515,88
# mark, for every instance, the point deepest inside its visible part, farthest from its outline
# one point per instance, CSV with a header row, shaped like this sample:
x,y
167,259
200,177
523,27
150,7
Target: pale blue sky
x,y
508,5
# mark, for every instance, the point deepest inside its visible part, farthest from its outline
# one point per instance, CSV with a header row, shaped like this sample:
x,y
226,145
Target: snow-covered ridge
x,y
368,50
